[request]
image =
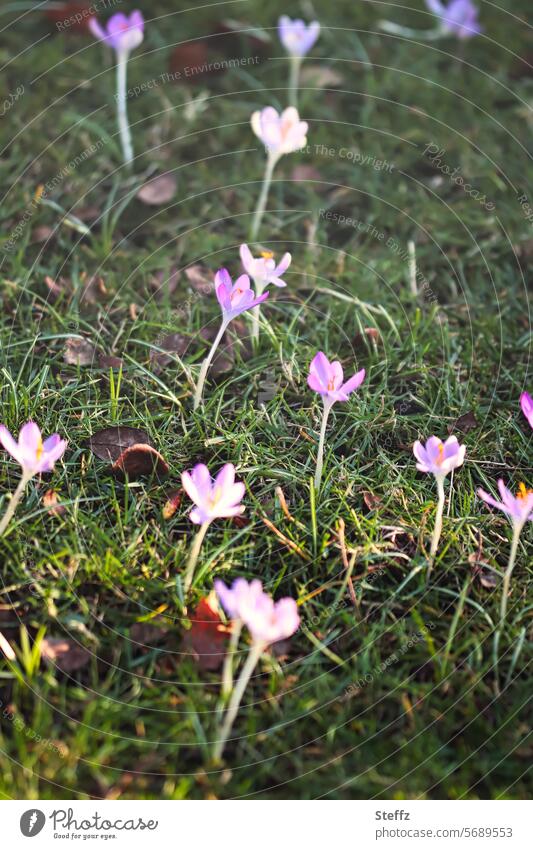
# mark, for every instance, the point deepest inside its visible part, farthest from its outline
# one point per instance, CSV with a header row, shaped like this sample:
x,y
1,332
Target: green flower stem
x,y
193,556
15,498
205,365
254,654
261,203
122,112
320,455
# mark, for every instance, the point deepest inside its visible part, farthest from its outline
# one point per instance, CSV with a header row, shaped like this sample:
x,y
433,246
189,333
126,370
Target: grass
x,y
137,721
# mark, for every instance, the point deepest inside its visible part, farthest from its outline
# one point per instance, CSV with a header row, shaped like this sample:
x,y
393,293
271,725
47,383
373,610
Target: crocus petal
x,y
97,30
354,382
30,438
526,403
485,496
246,258
420,453
283,264
10,444
315,384
226,476
320,366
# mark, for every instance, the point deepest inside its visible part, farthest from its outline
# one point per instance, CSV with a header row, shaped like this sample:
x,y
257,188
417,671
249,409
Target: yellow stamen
x,y
331,385
440,458
523,492
217,495
267,254
39,449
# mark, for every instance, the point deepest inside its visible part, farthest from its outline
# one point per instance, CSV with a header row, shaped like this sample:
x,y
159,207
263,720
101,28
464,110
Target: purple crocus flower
x,y
263,270
328,379
280,133
519,507
214,499
267,620
296,36
526,403
121,33
437,457
459,17
34,455
235,298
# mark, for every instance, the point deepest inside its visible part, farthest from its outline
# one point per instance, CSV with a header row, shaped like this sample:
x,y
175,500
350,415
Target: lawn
x,y
107,309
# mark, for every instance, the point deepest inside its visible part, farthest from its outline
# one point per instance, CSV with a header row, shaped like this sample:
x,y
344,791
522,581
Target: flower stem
x,y
227,672
406,32
508,572
320,455
296,62
255,653
122,114
12,506
205,366
437,530
255,312
261,203
193,556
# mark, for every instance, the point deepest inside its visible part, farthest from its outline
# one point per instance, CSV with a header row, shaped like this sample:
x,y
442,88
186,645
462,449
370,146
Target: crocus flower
x,y
34,457
296,36
519,509
526,402
328,380
439,459
234,299
214,499
458,18
123,34
263,271
268,621
280,134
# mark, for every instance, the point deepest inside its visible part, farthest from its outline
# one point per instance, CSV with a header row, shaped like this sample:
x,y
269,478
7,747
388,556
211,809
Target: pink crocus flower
x,y
519,509
214,499
458,18
526,403
121,32
280,133
439,459
34,457
234,299
296,36
264,271
328,380
268,621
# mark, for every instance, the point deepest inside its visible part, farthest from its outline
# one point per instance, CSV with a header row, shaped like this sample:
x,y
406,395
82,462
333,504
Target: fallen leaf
x,y
320,76
369,335
139,461
79,352
207,637
195,62
51,502
158,191
305,173
41,234
65,654
164,282
57,287
174,343
109,361
464,423
172,503
71,17
200,278
373,502
110,443
93,289
147,633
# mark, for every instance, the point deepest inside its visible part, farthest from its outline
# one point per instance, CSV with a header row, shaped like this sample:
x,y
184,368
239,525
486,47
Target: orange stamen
x,y
523,491
267,254
39,449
